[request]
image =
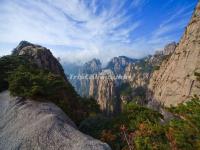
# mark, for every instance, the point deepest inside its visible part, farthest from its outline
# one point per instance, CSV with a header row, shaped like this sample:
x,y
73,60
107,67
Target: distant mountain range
x,y
131,72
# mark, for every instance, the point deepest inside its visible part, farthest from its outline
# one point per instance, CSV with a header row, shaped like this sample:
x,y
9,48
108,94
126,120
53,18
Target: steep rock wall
x,y
175,82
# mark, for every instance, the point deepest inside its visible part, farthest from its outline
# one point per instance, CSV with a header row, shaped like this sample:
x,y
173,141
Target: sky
x,y
79,30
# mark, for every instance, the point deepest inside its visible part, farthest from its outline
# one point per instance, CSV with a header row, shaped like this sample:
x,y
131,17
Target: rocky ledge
x,y
26,124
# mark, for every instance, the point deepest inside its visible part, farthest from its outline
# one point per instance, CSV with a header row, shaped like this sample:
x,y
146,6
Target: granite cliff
x,y
176,80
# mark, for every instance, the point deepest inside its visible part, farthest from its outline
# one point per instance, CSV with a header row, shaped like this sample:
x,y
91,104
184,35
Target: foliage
x,y
150,136
156,67
137,95
125,89
197,76
90,106
7,65
25,79
131,118
95,125
37,84
184,133
31,82
140,128
145,66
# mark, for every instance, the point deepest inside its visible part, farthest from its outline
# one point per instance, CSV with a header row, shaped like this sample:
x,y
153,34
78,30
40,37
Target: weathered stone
x,y
176,82
26,125
40,56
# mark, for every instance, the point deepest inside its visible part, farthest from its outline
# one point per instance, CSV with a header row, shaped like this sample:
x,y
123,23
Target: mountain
x,y
100,83
31,118
39,55
91,67
109,85
176,80
118,64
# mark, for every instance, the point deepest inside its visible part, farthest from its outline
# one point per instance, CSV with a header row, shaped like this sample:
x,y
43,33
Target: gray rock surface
x,y
41,56
176,81
27,125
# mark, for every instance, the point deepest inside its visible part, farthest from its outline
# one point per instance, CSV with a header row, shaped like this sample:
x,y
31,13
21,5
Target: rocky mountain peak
x,y
23,44
40,56
169,48
91,67
118,64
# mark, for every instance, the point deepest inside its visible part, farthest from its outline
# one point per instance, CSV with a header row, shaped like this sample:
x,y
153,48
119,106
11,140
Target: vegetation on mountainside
x,y
125,89
156,68
26,80
197,76
145,66
140,128
7,65
137,95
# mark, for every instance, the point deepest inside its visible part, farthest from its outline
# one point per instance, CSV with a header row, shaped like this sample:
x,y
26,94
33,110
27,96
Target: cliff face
x,y
104,89
175,81
105,84
36,125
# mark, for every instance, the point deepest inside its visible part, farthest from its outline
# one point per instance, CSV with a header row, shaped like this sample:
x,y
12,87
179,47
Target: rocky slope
x,y
176,80
38,125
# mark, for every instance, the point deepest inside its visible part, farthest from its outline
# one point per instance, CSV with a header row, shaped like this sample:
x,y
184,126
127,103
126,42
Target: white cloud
x,y
95,28
68,22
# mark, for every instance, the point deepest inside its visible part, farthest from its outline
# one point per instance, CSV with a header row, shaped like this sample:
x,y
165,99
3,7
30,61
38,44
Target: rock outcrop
x,y
92,67
104,89
169,48
118,64
26,124
40,56
176,81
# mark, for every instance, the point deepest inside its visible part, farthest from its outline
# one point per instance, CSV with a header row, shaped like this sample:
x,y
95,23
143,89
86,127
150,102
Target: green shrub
x,y
31,82
143,130
197,76
156,68
95,125
7,65
125,89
